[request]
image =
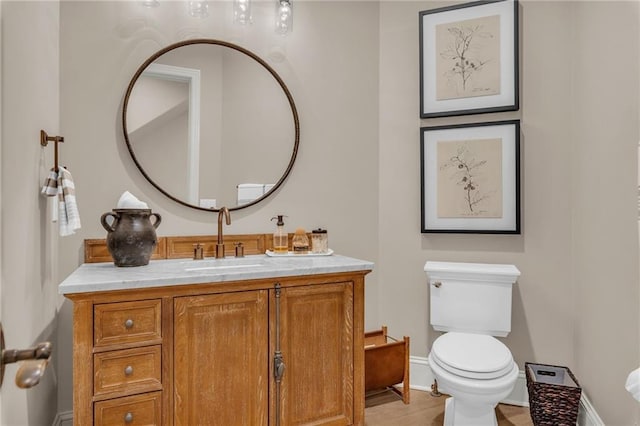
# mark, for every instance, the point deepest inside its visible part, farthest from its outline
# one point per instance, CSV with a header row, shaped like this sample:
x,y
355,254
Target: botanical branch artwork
x,y
470,178
468,58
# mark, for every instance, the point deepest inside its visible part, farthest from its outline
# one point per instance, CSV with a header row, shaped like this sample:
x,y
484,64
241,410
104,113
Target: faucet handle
x,y
198,252
239,250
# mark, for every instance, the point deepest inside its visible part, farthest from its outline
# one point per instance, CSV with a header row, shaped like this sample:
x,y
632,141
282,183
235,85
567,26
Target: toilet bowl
x,y
478,371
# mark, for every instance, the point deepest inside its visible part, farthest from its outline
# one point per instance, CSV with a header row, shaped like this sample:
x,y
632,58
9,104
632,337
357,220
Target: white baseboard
x,y
63,419
587,415
421,378
420,375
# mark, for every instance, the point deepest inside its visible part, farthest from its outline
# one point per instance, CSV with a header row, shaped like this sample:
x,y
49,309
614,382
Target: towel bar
x,y
45,139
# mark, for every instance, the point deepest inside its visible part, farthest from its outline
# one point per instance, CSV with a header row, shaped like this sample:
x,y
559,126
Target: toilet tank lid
x,y
470,271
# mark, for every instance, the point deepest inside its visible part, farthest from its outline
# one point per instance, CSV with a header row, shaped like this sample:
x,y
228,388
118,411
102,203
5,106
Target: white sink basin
x,y
221,264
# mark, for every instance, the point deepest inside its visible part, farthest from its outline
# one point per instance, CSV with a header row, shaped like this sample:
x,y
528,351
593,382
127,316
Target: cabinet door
x,y
220,359
316,338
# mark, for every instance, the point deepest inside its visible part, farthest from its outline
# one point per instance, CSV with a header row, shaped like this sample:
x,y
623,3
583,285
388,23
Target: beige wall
x,y
604,176
354,77
30,97
576,303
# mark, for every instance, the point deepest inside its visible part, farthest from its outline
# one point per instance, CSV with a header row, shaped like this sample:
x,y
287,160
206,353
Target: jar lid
x,y
319,231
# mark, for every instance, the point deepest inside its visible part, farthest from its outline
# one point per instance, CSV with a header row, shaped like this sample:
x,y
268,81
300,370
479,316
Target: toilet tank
x,y
471,297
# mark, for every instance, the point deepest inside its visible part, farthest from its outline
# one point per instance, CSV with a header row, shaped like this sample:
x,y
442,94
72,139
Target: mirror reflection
x,y
210,125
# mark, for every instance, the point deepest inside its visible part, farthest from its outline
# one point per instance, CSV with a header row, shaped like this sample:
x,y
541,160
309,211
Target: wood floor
x,y
387,409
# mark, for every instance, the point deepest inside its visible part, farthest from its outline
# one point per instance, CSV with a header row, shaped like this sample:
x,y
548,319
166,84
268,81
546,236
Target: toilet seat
x,y
473,356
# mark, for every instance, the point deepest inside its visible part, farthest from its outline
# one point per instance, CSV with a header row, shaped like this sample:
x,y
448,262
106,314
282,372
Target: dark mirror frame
x,y
256,58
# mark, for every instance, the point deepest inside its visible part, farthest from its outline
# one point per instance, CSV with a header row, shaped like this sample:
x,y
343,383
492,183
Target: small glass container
x,y
319,241
300,242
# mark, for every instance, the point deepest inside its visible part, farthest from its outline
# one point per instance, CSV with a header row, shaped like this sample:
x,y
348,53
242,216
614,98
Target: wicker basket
x,y
554,394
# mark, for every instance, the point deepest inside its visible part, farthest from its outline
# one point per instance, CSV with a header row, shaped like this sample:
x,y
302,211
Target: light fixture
x,y
242,12
284,16
199,9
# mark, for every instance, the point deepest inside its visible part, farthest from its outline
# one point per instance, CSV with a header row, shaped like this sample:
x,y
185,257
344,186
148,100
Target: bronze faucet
x,y
220,245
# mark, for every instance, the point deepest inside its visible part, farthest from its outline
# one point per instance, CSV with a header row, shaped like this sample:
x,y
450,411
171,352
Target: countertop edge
x,y
100,277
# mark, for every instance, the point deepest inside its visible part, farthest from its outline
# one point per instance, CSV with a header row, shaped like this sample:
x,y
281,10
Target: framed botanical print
x,y
471,178
469,59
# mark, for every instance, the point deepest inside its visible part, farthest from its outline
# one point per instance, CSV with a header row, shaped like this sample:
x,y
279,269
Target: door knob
x,y
34,361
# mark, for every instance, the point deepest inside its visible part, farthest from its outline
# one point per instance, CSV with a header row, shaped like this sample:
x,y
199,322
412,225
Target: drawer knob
x,y
128,418
128,370
128,324
437,284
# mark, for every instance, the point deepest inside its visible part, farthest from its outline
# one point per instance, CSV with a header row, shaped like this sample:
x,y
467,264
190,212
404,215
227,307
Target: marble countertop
x,y
91,277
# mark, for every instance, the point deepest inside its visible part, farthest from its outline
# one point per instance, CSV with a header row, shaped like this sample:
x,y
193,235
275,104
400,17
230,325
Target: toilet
x,y
471,303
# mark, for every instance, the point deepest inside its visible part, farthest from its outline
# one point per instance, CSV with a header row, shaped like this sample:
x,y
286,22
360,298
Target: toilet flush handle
x,y
437,284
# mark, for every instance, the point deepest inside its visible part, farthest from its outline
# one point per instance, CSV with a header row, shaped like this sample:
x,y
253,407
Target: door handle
x,y
33,362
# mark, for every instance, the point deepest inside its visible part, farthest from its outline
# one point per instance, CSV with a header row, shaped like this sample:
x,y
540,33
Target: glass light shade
x,y
199,9
242,12
284,17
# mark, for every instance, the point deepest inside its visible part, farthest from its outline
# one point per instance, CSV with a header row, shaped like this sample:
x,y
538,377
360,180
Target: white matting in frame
x,y
471,178
469,59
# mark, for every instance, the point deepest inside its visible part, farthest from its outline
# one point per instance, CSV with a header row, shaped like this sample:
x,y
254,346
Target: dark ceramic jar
x,y
131,237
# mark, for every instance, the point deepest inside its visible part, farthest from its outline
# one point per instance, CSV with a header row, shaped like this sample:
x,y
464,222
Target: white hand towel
x,y
68,215
52,208
50,190
129,201
633,384
248,192
50,187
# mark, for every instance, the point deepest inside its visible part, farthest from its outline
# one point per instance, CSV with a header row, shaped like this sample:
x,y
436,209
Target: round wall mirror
x,y
210,125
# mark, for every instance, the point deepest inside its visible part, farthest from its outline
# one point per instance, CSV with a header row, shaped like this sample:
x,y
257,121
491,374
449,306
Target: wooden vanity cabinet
x,y
208,354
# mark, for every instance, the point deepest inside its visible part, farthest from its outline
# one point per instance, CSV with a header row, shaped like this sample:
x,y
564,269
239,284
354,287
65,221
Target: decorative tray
x,y
271,253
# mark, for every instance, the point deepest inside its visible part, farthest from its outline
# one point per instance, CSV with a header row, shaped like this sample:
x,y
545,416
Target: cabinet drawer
x,y
127,322
129,371
138,410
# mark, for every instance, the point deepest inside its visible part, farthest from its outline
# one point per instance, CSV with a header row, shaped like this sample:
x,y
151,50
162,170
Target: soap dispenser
x,y
280,238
